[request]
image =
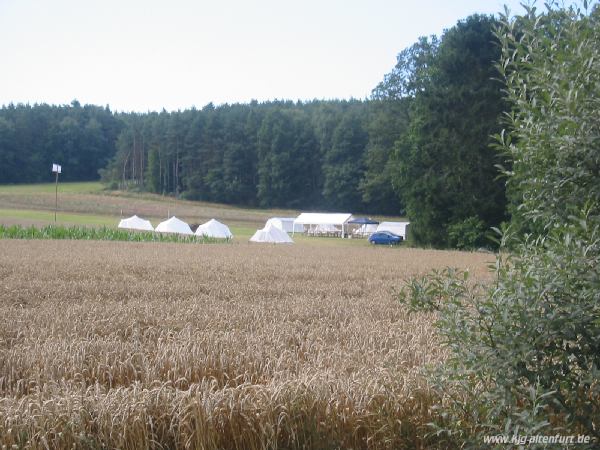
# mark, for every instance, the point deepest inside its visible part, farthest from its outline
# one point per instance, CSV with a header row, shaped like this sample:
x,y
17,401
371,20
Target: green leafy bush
x,y
468,234
525,351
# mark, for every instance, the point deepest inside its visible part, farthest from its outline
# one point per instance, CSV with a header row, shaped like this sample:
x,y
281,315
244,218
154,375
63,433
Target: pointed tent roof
x,y
214,229
136,223
272,234
174,225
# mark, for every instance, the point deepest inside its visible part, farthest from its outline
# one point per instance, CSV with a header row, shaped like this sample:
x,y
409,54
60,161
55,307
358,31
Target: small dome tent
x,y
136,223
271,234
214,229
174,225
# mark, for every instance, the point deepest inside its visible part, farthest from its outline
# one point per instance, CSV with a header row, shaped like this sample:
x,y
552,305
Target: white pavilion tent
x,y
271,234
174,225
398,228
136,223
286,224
319,223
214,229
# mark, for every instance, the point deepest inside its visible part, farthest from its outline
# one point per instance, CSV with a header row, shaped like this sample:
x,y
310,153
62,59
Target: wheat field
x,y
159,345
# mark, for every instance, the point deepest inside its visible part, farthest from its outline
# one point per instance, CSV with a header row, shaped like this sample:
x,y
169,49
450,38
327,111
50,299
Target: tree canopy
x,y
80,138
445,167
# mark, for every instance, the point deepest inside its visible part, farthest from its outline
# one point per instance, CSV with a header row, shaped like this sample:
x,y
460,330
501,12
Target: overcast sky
x,y
140,55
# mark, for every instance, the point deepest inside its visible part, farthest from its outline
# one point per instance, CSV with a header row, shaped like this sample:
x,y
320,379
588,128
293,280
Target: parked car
x,y
385,238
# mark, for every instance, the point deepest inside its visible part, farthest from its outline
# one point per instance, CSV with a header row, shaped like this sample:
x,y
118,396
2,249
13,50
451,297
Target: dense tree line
x,y
81,138
444,165
317,154
420,145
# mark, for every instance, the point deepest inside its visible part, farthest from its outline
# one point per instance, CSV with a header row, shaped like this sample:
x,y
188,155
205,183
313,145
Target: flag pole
x,y
56,198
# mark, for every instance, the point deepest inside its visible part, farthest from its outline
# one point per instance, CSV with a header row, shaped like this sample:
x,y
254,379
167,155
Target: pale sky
x,y
140,55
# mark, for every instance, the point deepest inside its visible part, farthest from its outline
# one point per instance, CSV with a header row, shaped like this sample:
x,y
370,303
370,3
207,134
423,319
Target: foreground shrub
x,y
525,351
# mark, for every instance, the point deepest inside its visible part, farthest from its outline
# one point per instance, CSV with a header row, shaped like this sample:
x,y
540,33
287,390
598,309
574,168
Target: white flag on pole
x,y
56,168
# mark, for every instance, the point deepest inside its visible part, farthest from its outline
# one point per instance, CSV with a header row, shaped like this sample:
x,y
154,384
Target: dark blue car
x,y
385,238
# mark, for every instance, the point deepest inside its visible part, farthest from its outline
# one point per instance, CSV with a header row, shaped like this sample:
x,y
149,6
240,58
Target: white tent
x,y
398,228
365,229
214,229
174,225
272,234
324,222
286,224
135,223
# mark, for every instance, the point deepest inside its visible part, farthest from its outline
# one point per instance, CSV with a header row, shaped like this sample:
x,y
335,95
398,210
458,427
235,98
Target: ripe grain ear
x,y
122,343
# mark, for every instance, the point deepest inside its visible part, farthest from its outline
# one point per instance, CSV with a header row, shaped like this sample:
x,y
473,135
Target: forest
x,y
420,146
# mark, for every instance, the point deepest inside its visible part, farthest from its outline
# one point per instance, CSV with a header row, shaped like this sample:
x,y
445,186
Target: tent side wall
x,y
398,228
316,220
287,224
